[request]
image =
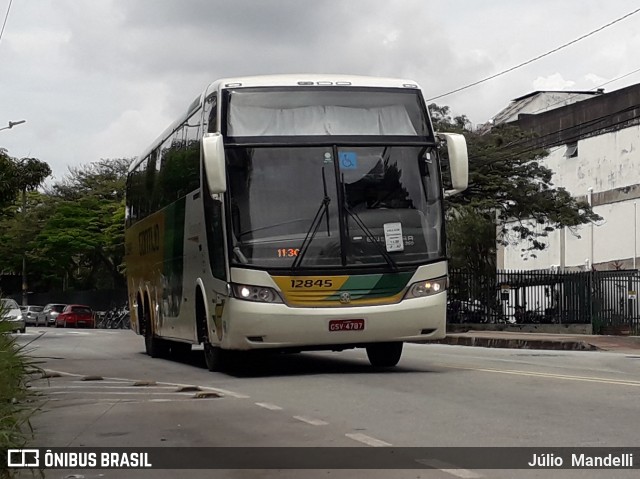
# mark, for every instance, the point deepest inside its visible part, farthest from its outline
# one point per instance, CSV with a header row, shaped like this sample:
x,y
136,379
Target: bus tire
x,y
216,358
154,346
384,355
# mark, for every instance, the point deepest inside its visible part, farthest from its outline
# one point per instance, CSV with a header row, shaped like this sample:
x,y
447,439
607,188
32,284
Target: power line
x,y
592,89
535,58
6,16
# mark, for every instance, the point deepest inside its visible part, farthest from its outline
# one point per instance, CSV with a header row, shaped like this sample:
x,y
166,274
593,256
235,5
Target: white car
x,y
11,314
33,315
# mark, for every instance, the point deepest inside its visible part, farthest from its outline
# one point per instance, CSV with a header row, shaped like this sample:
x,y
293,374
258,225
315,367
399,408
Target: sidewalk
x,y
583,342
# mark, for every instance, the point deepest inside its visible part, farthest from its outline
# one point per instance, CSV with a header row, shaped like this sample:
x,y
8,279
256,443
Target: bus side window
x,y
212,117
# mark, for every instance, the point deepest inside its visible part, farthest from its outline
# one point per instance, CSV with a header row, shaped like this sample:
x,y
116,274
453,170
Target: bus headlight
x,y
427,288
258,294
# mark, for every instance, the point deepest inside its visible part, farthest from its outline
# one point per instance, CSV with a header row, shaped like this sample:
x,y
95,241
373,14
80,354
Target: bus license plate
x,y
346,325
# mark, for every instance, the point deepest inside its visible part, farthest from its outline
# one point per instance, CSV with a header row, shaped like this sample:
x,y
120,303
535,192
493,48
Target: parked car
x,y
75,315
33,315
11,314
51,312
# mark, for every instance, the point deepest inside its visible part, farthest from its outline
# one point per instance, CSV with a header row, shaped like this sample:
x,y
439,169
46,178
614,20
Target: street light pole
x,y
12,124
25,287
590,200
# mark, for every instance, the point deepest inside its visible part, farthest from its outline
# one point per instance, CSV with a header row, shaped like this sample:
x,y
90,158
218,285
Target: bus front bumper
x,y
248,325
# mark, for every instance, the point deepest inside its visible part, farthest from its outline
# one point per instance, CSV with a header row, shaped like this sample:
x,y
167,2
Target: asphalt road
x,y
104,391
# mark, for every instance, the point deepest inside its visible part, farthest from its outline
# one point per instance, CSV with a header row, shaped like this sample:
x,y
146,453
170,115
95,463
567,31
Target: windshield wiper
x,y
323,210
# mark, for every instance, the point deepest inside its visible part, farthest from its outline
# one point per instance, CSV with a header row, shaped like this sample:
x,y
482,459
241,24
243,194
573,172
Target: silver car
x,y
51,312
34,315
11,314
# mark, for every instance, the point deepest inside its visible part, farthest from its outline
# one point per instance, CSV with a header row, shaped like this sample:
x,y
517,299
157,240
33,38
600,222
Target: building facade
x,y
594,152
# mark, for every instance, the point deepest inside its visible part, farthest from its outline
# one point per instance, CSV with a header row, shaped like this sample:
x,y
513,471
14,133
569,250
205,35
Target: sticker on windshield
x,y
348,160
327,158
393,237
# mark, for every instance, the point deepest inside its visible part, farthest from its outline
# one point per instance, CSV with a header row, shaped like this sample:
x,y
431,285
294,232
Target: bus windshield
x,y
318,111
354,205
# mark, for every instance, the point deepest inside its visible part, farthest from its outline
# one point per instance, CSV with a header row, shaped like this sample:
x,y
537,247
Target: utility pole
x,y
25,287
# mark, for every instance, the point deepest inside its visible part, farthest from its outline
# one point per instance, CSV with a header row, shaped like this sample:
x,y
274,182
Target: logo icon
x,y
23,457
345,298
348,160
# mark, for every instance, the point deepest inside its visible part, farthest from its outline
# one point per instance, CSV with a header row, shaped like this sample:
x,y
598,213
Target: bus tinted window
x,y
167,173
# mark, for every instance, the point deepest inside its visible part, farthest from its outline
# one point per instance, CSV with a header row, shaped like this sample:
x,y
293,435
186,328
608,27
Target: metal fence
x,y
606,299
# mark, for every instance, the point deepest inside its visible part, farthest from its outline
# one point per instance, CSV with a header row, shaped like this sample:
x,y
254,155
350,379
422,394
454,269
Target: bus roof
x,y
308,79
303,79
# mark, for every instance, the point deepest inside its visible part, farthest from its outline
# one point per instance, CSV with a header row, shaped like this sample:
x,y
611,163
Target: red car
x,y
75,315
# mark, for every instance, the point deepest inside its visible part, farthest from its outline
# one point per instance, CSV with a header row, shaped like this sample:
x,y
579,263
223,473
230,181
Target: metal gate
x,y
606,299
615,302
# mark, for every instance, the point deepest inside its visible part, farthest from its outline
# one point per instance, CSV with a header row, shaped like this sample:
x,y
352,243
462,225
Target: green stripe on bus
x,y
373,286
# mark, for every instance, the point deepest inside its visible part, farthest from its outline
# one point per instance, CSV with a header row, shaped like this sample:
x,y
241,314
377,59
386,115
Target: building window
x,y
572,150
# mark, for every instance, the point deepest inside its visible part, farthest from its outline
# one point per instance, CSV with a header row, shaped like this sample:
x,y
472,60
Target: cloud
x,y
552,82
594,79
103,78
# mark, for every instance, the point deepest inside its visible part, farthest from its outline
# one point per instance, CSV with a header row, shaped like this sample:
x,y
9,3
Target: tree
x,y
73,232
87,227
8,189
511,199
28,175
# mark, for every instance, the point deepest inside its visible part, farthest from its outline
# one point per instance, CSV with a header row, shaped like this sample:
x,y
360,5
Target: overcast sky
x,y
102,78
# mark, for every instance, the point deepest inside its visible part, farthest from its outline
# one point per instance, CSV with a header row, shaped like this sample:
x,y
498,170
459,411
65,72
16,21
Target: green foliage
x,y
86,232
15,397
73,233
30,173
511,199
8,188
471,240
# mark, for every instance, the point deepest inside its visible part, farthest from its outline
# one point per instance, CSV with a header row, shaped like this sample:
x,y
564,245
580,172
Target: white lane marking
x,y
123,401
449,468
368,440
224,392
619,382
310,420
100,386
104,393
63,373
269,406
80,381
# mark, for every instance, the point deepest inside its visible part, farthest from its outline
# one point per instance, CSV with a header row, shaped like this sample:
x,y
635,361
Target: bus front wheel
x,y
384,355
214,357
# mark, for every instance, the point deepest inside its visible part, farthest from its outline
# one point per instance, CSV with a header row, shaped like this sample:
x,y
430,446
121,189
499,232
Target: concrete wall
x,y
610,164
604,162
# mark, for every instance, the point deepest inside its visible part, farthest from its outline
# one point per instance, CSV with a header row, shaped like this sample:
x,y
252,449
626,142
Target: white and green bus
x,y
292,213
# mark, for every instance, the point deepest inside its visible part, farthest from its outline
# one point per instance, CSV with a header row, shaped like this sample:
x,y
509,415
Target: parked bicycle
x,y
115,318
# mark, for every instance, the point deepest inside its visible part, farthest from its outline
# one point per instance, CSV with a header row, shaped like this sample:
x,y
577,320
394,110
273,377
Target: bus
x,y
292,213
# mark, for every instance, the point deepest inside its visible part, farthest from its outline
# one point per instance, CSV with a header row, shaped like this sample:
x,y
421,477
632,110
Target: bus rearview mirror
x,y
214,162
458,161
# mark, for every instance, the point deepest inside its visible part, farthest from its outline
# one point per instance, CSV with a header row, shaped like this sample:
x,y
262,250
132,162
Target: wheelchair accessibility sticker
x,y
348,160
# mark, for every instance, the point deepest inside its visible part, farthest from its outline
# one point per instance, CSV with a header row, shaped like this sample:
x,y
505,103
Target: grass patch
x,y
16,400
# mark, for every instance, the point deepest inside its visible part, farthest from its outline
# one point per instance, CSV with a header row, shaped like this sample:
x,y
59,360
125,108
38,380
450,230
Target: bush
x,y
15,397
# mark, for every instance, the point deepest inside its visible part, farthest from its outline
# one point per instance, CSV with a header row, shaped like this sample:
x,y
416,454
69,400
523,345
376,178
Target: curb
x,y
566,345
